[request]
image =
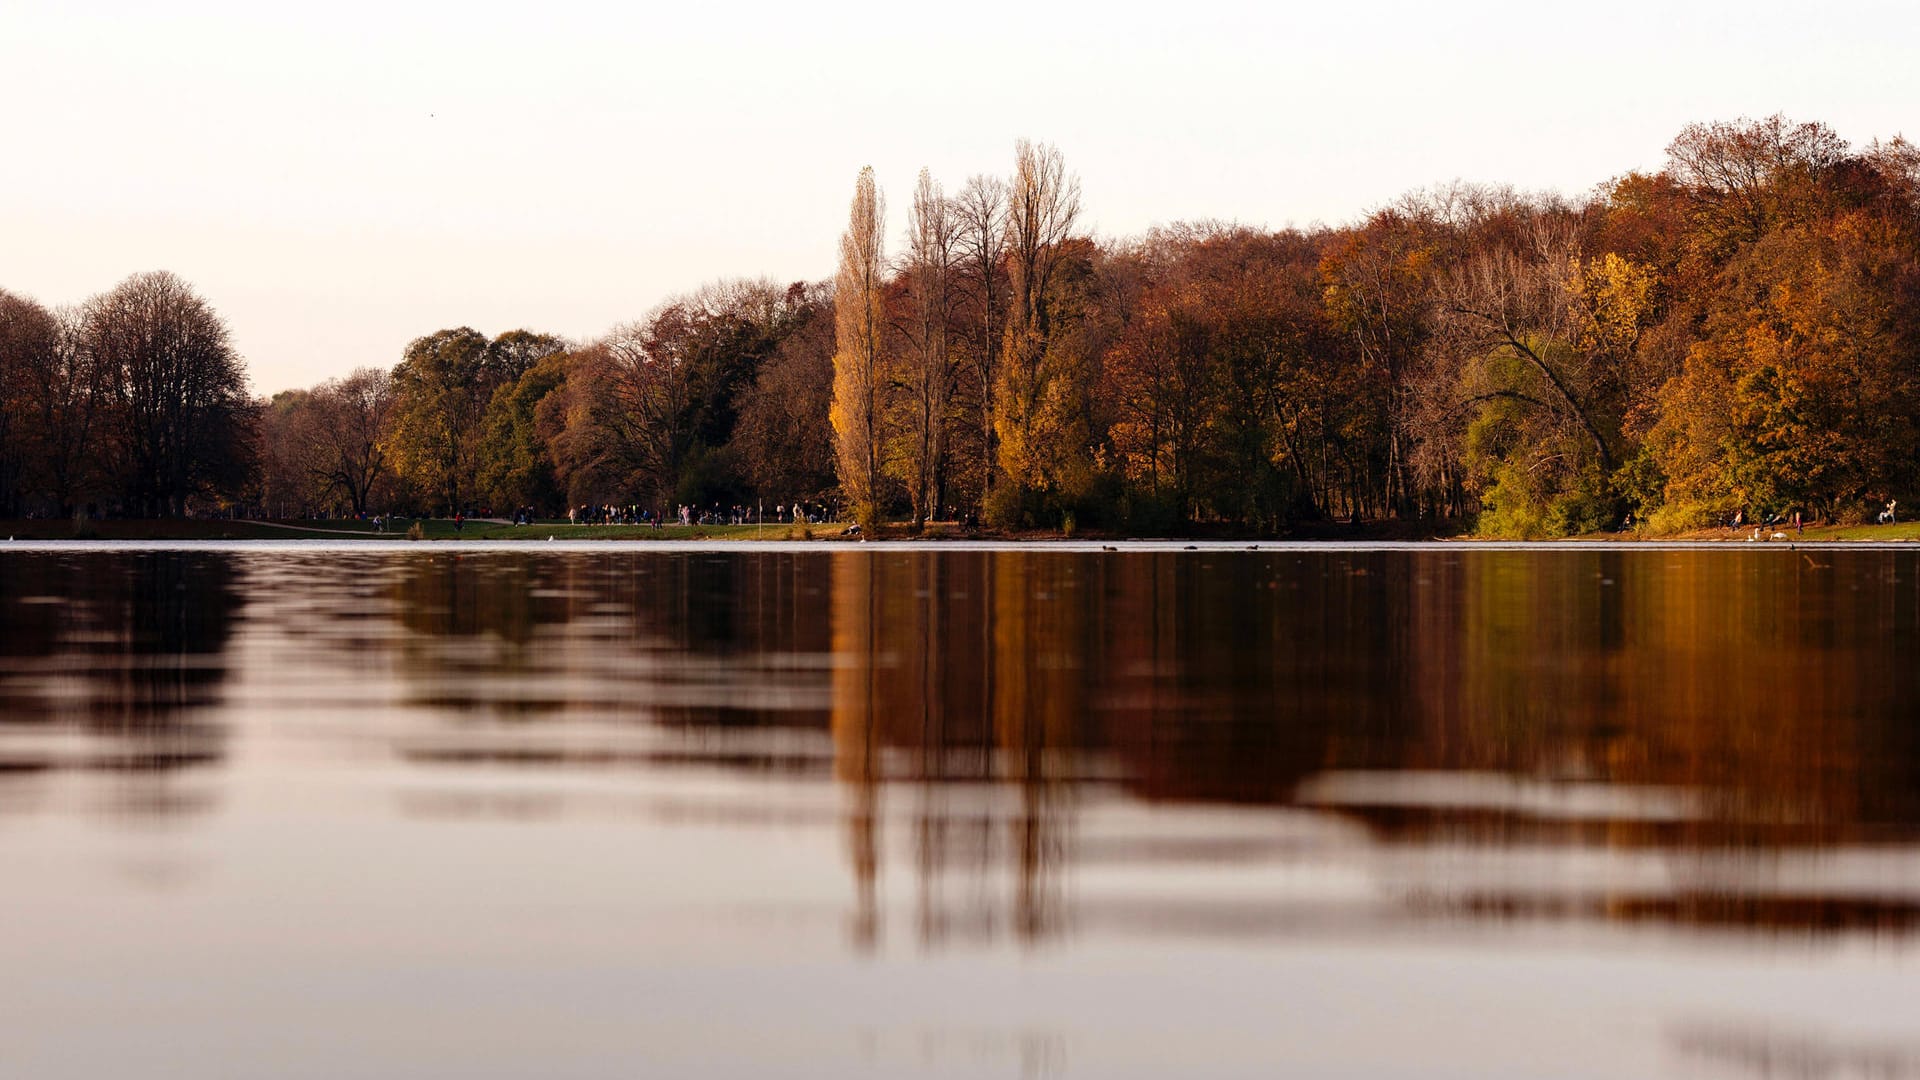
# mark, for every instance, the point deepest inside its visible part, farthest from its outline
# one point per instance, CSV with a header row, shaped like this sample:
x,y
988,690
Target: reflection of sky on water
x,y
612,795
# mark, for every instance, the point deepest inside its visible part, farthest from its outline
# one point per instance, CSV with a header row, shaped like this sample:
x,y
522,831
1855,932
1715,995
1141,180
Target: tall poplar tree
x,y
926,374
1043,204
980,220
857,351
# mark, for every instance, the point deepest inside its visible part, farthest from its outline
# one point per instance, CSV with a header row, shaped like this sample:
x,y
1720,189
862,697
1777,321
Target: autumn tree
x,y
661,399
1513,318
1162,375
1275,359
1378,291
627,401
1788,337
858,362
1035,416
514,353
516,462
1158,394
1805,391
441,391
781,441
1220,374
727,331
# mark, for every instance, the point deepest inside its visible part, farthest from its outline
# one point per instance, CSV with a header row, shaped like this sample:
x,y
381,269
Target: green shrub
x,y
1005,507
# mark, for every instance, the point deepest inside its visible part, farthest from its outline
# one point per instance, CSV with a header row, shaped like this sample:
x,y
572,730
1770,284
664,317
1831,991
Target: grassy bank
x,y
429,529
437,529
164,529
1903,531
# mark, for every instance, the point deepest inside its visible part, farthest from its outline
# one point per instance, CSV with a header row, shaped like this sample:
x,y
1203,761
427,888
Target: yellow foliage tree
x,y
857,358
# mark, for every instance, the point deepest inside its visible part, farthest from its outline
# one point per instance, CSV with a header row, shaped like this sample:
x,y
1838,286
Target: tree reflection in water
x,y
1451,804
1658,717
1664,718
114,665
1715,739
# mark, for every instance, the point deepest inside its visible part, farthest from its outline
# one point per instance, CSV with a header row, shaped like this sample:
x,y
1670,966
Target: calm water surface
x,y
293,811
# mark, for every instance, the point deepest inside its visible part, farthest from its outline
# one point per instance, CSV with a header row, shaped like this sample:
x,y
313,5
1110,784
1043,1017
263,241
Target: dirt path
x,y
330,532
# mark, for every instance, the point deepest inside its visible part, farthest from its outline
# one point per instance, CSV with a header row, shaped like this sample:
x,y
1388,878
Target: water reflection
x,y
1709,740
951,754
1769,1052
114,664
1662,736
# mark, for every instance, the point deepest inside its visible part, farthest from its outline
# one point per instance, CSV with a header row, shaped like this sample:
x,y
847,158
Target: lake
x,y
309,810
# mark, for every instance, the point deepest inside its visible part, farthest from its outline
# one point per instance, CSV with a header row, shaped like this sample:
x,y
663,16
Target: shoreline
x,y
489,534
1060,546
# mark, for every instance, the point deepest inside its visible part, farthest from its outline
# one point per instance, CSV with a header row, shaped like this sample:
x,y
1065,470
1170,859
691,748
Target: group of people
x,y
608,514
1772,520
750,515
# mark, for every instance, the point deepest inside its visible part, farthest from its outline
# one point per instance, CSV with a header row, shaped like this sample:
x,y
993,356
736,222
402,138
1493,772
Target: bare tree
x,y
1043,205
354,415
292,472
1745,175
927,375
185,423
29,346
980,237
75,397
1525,303
858,329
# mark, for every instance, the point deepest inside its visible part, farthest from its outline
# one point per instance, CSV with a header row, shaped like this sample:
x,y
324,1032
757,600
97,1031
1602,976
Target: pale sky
x,y
339,178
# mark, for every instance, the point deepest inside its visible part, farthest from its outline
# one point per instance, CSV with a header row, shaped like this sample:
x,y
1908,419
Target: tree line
x,y
714,399
1736,332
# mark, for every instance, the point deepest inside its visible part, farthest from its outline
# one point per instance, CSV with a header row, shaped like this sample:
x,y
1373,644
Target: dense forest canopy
x,y
1738,332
